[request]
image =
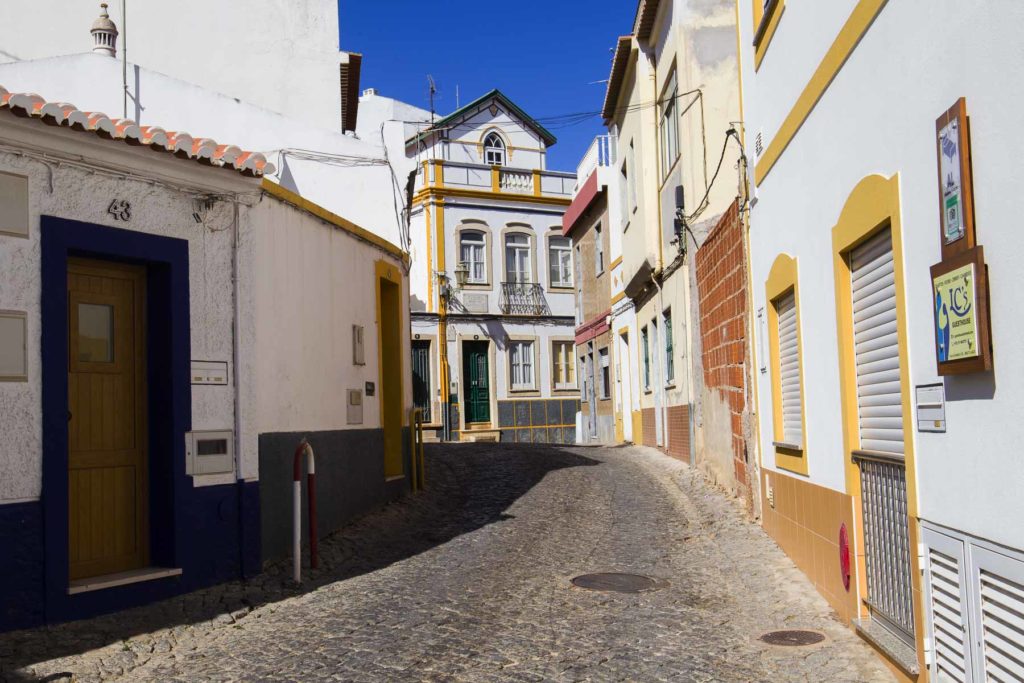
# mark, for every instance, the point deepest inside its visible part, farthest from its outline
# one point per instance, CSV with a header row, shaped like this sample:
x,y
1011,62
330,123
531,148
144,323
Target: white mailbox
x,y
209,372
209,452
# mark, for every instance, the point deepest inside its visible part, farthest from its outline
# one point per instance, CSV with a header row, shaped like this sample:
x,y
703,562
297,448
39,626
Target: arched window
x,y
494,150
471,253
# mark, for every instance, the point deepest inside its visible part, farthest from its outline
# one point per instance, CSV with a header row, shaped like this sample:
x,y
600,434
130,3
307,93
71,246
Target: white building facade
x,y
874,449
491,280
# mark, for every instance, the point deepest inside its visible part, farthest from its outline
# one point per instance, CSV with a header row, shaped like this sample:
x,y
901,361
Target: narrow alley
x,y
471,581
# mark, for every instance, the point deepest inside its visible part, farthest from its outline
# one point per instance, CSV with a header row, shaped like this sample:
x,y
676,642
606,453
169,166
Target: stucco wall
x,y
68,192
874,118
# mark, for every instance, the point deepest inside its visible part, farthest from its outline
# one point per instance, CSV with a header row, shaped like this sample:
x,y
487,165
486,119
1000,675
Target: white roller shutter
x,y
999,582
876,344
789,371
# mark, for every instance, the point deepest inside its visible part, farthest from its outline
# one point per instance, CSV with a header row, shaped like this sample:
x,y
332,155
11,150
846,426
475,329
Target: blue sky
x,y
544,54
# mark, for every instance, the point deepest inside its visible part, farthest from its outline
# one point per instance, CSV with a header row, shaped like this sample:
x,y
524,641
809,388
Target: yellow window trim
x,y
845,43
764,27
873,205
782,279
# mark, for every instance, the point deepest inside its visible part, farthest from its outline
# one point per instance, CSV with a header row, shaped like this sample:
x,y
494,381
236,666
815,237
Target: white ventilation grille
x,y
759,144
949,635
879,399
789,371
1002,625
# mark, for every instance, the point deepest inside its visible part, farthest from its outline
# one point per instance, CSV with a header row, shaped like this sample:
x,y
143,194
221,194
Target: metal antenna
x,y
433,91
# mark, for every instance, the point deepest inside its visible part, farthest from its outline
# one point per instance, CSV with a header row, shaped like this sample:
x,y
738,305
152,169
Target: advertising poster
x,y
956,333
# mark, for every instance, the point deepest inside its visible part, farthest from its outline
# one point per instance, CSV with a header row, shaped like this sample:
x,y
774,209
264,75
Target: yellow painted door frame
x,y
389,358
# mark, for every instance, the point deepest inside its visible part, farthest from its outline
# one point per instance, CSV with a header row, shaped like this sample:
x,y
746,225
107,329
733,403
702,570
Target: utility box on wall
x,y
209,452
354,407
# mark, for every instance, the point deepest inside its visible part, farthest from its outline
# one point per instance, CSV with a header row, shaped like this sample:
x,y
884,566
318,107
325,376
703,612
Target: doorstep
x,y
97,583
904,656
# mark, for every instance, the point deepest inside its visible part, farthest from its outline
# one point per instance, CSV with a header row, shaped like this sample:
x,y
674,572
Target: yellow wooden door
x,y
107,474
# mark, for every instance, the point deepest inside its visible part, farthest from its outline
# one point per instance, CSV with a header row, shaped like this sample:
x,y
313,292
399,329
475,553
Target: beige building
x,y
671,98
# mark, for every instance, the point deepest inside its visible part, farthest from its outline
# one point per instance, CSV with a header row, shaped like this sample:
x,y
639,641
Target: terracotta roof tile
x,y
180,143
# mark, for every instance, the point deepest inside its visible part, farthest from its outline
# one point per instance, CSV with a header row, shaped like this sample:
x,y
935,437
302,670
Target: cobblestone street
x,y
470,581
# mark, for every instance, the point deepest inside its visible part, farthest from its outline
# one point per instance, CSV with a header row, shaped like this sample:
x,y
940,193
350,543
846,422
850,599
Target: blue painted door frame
x,y
169,401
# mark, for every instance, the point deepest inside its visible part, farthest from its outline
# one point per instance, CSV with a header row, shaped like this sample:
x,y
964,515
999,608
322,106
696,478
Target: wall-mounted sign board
x,y
961,314
956,186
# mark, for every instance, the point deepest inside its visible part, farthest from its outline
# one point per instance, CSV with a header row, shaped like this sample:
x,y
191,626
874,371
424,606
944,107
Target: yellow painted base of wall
x,y
805,522
638,426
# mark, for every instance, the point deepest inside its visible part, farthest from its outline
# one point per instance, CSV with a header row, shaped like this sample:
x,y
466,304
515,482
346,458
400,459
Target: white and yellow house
x,y
889,410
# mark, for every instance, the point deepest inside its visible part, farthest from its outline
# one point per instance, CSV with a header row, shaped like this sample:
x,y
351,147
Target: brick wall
x,y
722,290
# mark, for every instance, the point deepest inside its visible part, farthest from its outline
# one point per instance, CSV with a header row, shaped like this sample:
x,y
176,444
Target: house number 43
x,y
120,210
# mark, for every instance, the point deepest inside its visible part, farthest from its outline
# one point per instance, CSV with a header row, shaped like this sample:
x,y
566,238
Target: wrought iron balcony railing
x,y
523,298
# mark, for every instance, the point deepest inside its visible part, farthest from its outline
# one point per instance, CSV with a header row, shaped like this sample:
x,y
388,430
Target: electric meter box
x,y
209,452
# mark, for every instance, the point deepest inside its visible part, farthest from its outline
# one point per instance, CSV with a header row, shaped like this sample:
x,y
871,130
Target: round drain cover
x,y
793,638
616,583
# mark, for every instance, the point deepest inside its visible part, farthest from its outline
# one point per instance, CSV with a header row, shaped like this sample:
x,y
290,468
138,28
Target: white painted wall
x,y
878,116
312,282
344,174
68,192
277,54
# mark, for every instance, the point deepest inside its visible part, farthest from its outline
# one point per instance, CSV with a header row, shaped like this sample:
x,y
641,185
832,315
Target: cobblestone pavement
x,y
471,582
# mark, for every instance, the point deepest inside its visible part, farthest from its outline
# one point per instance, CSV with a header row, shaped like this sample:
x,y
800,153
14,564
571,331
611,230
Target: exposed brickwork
x,y
722,288
679,432
650,435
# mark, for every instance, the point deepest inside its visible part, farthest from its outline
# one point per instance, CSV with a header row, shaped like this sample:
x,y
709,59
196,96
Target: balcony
x,y
523,298
601,153
450,175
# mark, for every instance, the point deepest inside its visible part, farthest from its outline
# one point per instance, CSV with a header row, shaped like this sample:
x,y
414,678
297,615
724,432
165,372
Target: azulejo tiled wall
x,y
539,420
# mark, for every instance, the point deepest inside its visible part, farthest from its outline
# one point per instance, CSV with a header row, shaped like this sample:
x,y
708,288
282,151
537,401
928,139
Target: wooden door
x,y
476,375
107,472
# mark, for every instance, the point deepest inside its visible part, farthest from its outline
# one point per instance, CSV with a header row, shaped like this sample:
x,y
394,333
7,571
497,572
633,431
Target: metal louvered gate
x,y
880,422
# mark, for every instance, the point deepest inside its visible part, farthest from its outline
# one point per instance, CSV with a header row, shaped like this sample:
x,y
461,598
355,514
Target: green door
x,y
476,382
421,377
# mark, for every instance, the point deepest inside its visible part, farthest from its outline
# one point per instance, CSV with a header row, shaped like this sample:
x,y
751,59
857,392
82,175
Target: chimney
x,y
104,34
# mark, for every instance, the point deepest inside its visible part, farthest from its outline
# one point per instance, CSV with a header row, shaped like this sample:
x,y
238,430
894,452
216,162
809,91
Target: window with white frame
x,y
521,361
670,364
517,258
598,251
668,128
494,150
563,365
646,348
560,261
472,245
605,377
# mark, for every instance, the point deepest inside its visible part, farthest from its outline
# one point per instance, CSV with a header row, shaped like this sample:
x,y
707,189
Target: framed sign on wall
x,y
956,188
960,311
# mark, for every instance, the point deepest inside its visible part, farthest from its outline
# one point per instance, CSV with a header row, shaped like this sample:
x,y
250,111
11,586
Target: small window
x,y
563,365
624,192
95,333
517,258
471,252
670,366
631,163
598,251
668,128
789,371
521,360
605,376
645,346
560,261
494,150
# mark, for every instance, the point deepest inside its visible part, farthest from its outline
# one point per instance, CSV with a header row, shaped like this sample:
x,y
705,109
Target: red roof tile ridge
x,y
181,143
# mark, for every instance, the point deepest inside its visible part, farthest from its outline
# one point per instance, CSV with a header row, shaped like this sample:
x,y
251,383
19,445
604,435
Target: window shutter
x,y
999,582
789,371
947,606
876,344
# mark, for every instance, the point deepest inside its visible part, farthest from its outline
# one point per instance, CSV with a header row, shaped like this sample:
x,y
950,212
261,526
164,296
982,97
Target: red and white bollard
x,y
303,448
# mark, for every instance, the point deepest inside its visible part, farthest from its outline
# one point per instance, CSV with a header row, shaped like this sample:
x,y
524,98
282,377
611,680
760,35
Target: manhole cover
x,y
616,583
794,638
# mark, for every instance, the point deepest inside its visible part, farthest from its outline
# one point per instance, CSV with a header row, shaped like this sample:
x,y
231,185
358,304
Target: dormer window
x,y
494,150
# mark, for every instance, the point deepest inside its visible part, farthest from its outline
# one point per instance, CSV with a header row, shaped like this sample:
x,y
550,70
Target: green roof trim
x,y
544,133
